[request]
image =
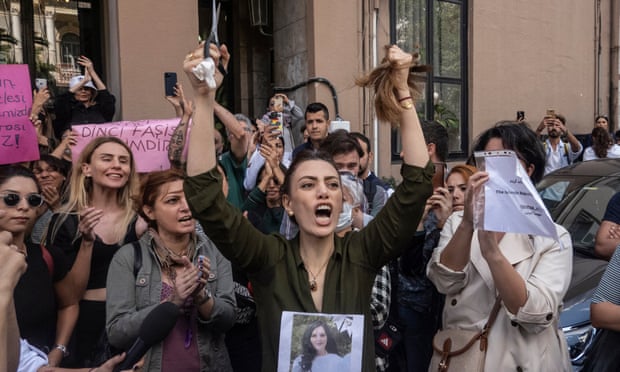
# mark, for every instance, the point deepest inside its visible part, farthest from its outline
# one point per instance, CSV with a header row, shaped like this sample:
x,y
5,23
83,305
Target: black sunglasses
x,y
12,199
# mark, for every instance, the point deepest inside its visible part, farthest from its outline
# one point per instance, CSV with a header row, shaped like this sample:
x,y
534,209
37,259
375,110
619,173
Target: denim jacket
x,y
130,299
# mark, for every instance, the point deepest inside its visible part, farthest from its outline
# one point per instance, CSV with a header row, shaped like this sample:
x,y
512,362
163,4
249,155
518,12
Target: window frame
x,y
432,79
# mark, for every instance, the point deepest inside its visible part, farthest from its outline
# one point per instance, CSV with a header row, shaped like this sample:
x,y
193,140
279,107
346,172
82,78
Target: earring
x,y
290,213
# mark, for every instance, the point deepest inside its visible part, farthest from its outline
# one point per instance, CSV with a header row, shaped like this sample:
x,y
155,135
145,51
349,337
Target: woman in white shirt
x,y
602,146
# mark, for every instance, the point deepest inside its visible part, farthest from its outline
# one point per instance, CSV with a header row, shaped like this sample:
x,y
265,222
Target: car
x,y
576,197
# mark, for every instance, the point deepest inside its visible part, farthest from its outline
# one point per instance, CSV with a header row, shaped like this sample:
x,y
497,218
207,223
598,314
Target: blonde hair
x,y
81,188
387,106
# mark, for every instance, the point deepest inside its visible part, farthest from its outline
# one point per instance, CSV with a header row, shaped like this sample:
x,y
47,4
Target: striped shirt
x,y
607,290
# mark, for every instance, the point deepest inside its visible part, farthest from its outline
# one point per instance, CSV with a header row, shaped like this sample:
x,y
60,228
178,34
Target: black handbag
x,y
603,355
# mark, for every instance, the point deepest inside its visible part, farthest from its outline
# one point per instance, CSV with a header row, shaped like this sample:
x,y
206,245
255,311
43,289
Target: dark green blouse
x,y
276,270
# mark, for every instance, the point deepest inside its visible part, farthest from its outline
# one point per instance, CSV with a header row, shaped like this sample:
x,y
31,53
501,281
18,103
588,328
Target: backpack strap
x,y
137,258
566,153
566,149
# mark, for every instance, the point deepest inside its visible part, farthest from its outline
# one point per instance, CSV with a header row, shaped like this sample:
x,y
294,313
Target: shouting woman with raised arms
x,y
316,271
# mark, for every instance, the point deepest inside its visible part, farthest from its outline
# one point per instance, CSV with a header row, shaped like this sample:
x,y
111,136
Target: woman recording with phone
x,y
526,275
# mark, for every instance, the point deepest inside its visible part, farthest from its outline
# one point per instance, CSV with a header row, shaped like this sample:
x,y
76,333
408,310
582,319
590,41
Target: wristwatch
x,y
208,294
206,297
63,348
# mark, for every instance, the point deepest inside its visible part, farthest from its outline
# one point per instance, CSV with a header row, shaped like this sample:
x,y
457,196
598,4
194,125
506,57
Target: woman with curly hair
x,y
319,351
602,146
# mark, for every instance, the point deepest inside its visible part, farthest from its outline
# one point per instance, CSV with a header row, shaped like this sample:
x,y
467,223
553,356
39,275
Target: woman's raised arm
x,y
412,138
201,149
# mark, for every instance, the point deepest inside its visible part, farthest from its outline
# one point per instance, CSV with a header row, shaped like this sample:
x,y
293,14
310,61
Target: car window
x,y
583,215
556,191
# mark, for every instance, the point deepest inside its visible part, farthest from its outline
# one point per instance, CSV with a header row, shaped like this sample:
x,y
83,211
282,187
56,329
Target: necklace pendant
x,y
313,285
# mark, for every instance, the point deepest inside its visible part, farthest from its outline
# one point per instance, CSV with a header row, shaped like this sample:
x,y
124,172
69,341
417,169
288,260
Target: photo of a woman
x,y
319,350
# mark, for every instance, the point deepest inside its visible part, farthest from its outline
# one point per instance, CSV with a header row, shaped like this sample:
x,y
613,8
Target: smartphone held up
x,y
40,83
520,115
170,80
275,120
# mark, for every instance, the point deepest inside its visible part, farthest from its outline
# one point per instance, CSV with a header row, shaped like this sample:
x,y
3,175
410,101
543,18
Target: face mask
x,y
345,219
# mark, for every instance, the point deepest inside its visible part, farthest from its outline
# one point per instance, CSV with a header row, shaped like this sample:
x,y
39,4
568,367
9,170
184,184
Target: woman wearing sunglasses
x,y
34,295
96,221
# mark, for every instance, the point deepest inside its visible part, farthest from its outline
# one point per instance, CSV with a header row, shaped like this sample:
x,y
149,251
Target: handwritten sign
x,y
18,138
511,202
147,139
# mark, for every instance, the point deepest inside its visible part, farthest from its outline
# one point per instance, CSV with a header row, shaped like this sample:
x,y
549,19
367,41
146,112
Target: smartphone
x,y
170,80
40,83
520,115
275,119
551,113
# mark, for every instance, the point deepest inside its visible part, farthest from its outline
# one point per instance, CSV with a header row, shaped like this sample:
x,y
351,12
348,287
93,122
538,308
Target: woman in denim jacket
x,y
180,266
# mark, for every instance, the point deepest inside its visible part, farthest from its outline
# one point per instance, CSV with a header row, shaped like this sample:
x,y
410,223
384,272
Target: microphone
x,y
156,326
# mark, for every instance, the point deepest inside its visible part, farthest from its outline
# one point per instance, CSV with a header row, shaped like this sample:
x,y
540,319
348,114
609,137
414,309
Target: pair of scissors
x,y
205,71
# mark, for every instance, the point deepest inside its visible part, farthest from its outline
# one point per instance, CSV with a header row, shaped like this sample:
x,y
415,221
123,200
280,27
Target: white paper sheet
x,y
510,202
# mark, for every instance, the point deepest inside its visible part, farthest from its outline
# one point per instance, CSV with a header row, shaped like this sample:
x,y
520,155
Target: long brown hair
x,y
387,105
601,140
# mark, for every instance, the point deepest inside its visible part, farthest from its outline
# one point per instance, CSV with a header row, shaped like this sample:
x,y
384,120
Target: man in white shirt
x,y
559,153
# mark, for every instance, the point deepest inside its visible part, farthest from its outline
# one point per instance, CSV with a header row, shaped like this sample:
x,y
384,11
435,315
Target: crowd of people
x,y
234,235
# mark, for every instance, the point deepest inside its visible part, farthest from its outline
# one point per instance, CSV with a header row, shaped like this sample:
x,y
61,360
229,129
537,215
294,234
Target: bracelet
x,y
407,105
206,297
63,348
405,98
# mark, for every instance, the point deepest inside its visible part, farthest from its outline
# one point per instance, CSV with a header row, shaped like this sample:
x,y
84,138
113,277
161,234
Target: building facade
x,y
489,58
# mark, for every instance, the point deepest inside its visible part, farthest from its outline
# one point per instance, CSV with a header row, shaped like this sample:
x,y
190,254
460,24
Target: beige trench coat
x,y
529,340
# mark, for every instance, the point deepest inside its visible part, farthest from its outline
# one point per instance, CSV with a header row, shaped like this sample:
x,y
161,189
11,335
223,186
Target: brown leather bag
x,y
457,346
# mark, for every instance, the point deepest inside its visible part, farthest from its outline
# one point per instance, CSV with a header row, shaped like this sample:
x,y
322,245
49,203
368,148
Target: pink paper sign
x,y
147,139
18,138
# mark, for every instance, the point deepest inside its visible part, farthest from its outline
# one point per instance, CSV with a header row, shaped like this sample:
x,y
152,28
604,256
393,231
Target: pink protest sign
x,y
18,138
147,139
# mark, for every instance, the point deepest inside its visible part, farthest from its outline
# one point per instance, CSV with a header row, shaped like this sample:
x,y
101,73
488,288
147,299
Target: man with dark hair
x,y
371,182
559,154
317,124
344,150
347,153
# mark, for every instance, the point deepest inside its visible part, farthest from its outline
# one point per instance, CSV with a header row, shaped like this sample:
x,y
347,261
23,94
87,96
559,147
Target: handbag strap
x,y
481,335
487,327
